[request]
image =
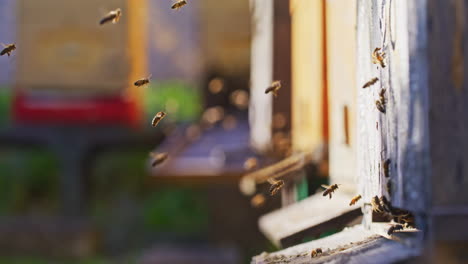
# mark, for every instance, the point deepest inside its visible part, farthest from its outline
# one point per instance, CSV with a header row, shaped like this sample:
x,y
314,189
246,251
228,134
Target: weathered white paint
x,y
261,71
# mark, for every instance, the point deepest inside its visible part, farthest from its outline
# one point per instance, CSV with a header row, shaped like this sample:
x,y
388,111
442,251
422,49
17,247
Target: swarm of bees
x,y
113,16
329,189
142,81
370,82
276,185
157,118
273,88
179,4
315,252
383,206
7,49
378,57
382,102
355,200
158,158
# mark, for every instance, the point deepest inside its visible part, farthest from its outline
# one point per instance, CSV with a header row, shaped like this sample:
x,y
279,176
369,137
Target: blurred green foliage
x,y
5,104
29,179
181,101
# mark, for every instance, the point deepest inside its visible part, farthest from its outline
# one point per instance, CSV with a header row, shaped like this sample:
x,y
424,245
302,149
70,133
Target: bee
x,y
378,57
258,200
276,185
380,106
389,187
386,168
315,252
158,158
113,16
142,81
376,206
250,163
274,87
386,205
371,82
355,199
157,118
394,228
179,4
7,49
382,95
329,189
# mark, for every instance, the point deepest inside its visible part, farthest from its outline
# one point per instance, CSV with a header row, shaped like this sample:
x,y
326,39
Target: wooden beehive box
x,y
61,47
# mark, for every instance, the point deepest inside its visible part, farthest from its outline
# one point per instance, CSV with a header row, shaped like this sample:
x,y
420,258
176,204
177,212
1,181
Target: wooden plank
x,y
341,28
308,218
352,245
261,72
308,75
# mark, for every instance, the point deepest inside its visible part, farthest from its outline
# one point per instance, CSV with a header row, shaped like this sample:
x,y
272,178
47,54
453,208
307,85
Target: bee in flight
x,y
157,118
355,199
158,158
274,87
394,228
370,83
315,252
142,81
378,57
258,200
329,189
7,49
179,4
113,16
276,185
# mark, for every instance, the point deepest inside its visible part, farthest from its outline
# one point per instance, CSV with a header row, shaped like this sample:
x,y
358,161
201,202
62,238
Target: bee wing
x,y
269,89
325,186
107,19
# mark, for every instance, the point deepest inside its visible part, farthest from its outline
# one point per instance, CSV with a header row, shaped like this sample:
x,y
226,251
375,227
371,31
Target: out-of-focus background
x,y
76,184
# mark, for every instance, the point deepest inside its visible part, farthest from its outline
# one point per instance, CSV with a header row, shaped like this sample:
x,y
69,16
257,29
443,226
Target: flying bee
x,y
113,16
378,57
329,189
274,87
179,4
157,118
370,83
142,81
276,185
250,163
355,199
315,252
158,158
394,228
380,106
386,168
258,200
7,49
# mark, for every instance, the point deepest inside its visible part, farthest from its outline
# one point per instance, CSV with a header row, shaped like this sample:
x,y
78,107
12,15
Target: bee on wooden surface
x,y
376,206
258,200
329,189
157,118
382,95
380,106
355,200
315,252
274,87
276,185
378,57
113,16
386,205
250,164
394,228
7,49
370,83
179,4
386,168
389,187
158,158
142,81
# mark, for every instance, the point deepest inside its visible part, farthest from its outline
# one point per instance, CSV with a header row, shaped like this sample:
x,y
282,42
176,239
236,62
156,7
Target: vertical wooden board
x,y
448,97
400,134
61,47
308,75
261,71
341,71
